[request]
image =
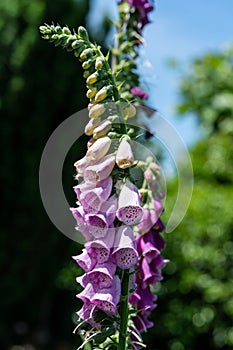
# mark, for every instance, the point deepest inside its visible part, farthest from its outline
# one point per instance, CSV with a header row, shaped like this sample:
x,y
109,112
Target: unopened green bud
x,y
131,132
66,30
99,63
91,93
130,111
87,64
92,78
103,93
86,74
96,111
61,40
112,135
87,53
54,36
82,32
78,44
78,51
58,30
114,118
71,39
44,29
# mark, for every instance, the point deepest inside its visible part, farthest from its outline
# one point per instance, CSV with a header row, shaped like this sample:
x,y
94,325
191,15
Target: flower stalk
x,y
124,311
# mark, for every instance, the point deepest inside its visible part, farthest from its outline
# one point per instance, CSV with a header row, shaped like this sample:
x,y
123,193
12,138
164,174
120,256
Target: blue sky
x,y
180,30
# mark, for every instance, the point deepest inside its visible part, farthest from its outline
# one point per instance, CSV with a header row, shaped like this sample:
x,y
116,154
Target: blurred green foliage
x,y
195,305
40,86
207,90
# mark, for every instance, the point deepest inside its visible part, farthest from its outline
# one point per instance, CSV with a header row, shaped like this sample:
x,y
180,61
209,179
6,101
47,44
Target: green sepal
x,y
65,30
105,333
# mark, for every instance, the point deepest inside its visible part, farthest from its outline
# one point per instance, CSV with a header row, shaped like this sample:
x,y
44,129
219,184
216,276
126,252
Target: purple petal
x,y
85,261
129,209
136,91
97,224
99,249
107,299
101,170
149,276
124,254
101,276
98,195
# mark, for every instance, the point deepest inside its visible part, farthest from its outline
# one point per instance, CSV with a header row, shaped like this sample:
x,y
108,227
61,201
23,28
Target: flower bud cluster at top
x,y
133,16
106,105
120,223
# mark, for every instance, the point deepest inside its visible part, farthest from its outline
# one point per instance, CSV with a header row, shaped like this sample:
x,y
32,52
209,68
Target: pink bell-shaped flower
x,y
129,209
124,253
99,249
108,298
101,276
100,170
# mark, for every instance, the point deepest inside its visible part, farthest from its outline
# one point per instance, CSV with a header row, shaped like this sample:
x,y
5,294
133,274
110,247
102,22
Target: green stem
x,y
124,310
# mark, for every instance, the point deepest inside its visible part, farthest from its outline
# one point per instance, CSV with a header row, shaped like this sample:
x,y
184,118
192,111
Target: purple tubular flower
x,y
100,249
150,217
138,92
124,253
129,209
100,170
87,312
105,299
97,225
150,274
96,196
109,208
143,300
108,298
85,261
101,276
143,7
146,246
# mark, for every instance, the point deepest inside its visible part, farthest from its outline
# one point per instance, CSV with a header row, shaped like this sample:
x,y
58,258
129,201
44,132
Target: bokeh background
x,y
188,66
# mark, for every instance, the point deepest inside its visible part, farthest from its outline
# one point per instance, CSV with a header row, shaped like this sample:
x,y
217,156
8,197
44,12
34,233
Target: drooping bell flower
x,y
94,195
97,225
124,252
150,216
150,274
79,215
85,261
87,312
124,156
101,276
129,209
109,208
105,299
143,300
108,298
100,170
99,249
146,246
